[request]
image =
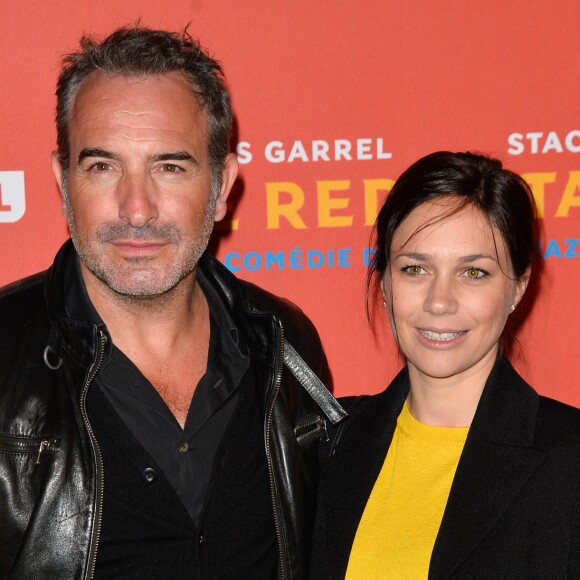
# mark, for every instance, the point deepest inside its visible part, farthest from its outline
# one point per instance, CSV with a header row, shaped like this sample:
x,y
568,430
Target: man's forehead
x,y
101,85
164,100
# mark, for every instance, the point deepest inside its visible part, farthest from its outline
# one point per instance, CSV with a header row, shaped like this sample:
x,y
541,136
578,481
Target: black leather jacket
x,y
51,480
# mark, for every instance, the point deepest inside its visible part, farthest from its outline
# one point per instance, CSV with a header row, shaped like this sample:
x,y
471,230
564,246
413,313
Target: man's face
x,y
139,200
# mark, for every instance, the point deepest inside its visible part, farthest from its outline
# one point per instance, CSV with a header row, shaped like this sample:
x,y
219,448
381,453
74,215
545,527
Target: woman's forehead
x,y
448,225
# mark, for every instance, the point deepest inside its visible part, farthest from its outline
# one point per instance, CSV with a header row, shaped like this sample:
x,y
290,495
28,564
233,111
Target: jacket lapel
x,y
497,460
349,474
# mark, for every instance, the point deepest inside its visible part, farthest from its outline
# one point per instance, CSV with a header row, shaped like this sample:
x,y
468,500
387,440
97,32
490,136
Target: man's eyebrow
x,y
96,152
175,156
171,156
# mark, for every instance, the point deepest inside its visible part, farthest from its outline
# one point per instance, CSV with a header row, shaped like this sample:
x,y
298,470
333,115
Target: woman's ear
x,y
385,291
521,285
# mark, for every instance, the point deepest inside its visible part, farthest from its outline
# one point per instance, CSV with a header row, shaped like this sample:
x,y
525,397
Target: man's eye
x,y
100,166
170,168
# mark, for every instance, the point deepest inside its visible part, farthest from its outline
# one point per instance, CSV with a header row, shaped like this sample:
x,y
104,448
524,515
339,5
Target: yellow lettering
x,y
372,188
327,204
277,209
537,182
570,199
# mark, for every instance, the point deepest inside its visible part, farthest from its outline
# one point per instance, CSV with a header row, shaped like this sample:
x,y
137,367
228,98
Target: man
x,y
153,420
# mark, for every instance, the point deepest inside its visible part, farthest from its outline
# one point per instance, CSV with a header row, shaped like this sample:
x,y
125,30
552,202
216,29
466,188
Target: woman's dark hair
x,y
138,51
502,196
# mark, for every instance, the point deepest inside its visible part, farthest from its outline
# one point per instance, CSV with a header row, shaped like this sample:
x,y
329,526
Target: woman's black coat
x,y
514,506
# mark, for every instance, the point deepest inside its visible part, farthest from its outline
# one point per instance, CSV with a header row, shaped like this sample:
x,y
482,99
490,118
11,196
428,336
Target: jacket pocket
x,y
36,447
311,428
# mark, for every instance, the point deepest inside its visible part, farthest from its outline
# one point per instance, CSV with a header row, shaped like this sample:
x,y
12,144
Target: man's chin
x,y
139,285
139,279
143,288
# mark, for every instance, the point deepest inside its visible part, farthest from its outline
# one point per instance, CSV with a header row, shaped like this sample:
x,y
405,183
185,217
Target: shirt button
x,y
149,475
201,539
183,448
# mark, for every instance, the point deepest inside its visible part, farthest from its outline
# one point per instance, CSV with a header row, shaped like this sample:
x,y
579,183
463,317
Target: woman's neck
x,y
448,401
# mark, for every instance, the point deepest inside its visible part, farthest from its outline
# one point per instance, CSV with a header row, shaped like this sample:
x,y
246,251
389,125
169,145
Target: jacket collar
x,y
76,331
227,289
69,333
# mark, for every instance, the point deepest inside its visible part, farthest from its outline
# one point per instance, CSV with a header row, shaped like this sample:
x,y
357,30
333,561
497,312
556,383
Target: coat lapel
x,y
497,460
349,474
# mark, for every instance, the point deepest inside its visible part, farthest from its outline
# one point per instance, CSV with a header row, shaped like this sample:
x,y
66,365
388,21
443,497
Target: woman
x,y
459,469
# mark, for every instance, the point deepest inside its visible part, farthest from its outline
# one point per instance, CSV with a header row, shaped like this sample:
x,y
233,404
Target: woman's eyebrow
x,y
415,256
475,257
429,258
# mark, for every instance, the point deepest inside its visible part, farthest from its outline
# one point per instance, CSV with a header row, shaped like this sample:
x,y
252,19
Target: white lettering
x,y
297,151
243,152
274,152
537,142
12,196
569,141
516,145
381,153
552,143
363,149
320,150
535,139
342,149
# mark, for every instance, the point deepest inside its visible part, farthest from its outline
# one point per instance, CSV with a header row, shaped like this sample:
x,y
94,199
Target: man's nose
x,y
137,200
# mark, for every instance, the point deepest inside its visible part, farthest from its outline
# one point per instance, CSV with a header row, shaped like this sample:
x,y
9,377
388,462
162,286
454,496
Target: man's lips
x,y
139,247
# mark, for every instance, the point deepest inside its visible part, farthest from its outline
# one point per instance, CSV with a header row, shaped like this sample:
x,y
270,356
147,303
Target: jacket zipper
x,y
276,390
95,536
319,425
24,445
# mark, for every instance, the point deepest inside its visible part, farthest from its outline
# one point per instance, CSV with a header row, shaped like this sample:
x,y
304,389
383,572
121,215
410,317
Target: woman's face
x,y
449,290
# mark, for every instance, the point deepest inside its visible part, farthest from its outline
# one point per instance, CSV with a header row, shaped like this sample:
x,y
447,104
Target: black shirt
x,y
184,455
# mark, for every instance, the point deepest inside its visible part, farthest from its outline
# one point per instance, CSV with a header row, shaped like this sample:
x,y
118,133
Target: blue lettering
x,y
552,250
571,249
228,261
296,258
330,259
248,261
369,256
273,259
344,258
315,258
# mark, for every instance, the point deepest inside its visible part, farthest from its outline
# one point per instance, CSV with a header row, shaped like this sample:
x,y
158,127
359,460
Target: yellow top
x,y
397,531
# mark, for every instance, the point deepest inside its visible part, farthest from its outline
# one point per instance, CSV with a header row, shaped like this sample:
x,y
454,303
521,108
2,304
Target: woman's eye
x,y
475,273
413,270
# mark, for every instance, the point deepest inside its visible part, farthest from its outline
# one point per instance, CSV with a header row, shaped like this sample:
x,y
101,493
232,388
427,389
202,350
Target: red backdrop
x,y
333,101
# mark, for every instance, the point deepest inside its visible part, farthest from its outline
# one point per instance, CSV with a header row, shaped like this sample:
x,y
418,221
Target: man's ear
x,y
229,174
58,172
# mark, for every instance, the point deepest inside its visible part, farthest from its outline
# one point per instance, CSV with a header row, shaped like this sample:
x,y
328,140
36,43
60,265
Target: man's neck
x,y
156,323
